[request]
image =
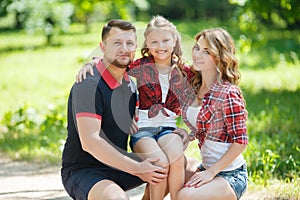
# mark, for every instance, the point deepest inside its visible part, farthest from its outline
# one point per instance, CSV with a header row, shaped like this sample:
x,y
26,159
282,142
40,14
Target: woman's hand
x,y
200,178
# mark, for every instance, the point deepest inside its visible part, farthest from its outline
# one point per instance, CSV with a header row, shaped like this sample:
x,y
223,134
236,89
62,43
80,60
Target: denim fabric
x,y
238,179
152,132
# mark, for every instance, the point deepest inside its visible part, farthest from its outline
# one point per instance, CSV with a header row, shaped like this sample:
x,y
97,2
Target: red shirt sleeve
x,y
235,117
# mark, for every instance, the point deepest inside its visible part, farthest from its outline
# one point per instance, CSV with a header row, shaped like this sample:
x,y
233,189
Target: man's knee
x,y
107,189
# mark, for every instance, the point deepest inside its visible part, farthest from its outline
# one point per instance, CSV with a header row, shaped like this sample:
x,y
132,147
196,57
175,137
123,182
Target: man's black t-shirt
x,y
99,96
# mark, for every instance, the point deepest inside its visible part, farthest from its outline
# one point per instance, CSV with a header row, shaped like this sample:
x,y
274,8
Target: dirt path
x,y
23,180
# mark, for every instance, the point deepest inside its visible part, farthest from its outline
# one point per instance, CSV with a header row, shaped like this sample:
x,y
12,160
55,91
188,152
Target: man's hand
x,y
184,135
151,173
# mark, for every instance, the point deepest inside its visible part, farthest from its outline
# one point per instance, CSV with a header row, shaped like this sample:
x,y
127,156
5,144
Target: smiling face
x,y
202,58
119,47
161,44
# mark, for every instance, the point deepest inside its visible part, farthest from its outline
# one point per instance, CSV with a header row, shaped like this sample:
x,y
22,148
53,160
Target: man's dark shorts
x,y
79,183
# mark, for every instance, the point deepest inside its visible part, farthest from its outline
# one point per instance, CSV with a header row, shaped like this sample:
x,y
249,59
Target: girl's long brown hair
x,y
159,22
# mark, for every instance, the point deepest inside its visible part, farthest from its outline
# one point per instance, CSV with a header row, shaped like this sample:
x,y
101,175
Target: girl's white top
x,y
160,119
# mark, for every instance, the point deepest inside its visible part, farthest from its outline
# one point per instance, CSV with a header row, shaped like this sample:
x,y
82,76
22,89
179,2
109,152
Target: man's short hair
x,y
121,24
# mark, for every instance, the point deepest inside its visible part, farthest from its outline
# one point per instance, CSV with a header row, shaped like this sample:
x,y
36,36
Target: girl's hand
x,y
192,136
200,178
134,127
87,68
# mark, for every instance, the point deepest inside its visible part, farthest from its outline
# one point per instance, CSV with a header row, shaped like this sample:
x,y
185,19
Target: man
x,y
95,162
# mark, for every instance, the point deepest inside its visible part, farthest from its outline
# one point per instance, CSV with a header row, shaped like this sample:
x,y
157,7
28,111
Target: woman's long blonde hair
x,y
221,47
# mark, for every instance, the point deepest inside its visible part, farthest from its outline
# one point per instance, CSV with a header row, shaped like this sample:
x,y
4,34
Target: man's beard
x,y
119,65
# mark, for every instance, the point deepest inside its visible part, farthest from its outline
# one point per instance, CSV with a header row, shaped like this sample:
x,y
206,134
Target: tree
x,y
191,9
3,7
87,11
20,8
83,11
282,13
43,15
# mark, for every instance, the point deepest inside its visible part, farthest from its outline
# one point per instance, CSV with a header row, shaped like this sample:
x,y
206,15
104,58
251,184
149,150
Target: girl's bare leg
x,y
172,146
148,148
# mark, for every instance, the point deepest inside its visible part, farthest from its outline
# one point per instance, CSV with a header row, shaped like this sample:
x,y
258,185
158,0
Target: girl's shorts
x,y
152,132
238,179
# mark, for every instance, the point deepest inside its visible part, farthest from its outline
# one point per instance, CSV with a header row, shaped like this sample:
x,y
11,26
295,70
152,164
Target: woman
x,y
217,117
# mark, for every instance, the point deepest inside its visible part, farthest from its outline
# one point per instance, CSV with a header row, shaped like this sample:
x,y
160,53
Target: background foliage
x,y
49,16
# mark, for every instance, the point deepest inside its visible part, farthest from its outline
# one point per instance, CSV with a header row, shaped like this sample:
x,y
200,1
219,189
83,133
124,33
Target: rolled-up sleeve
x,y
236,117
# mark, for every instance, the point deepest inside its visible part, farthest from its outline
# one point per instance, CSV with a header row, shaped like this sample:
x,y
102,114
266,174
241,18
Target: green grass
x,y
277,189
36,77
35,81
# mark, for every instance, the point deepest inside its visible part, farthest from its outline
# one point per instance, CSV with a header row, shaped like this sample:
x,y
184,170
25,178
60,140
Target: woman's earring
x,y
148,51
218,70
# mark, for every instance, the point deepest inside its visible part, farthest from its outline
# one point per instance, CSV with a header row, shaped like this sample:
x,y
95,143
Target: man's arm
x,y
92,143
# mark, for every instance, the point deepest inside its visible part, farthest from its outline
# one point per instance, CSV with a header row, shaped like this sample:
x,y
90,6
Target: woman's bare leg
x,y
217,189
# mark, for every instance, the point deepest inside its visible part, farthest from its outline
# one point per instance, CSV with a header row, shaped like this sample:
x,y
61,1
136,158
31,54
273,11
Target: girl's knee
x,y
163,162
176,157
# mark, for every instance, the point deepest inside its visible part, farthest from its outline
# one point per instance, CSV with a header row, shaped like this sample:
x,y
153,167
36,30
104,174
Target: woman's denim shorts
x,y
238,179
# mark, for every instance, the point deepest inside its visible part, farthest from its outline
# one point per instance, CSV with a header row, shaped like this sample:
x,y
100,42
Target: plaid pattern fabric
x,y
222,117
154,110
150,94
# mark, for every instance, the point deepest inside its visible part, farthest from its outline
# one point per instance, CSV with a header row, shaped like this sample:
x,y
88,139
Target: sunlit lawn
x,y
34,74
39,76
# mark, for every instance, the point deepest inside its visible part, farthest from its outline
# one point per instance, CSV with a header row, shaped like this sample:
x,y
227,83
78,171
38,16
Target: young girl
x,y
217,117
160,84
